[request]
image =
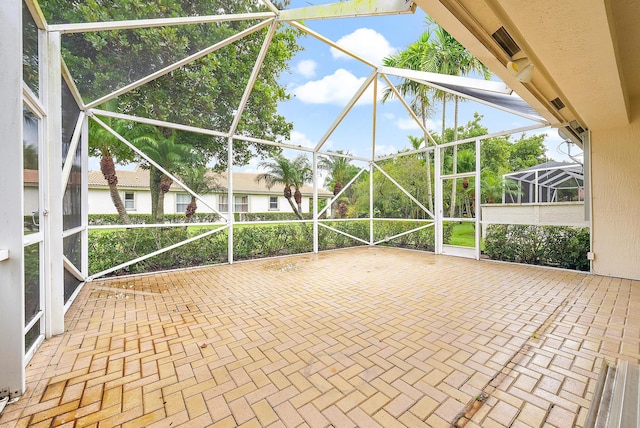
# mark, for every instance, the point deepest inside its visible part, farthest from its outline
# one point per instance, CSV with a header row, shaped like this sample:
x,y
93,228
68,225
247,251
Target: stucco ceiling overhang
x,y
584,52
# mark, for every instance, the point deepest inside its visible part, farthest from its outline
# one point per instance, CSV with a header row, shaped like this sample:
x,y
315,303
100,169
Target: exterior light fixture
x,y
521,69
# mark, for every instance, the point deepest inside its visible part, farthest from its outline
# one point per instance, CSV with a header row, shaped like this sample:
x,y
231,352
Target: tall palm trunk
x,y
428,159
288,197
108,169
191,209
165,185
337,188
155,176
452,207
298,197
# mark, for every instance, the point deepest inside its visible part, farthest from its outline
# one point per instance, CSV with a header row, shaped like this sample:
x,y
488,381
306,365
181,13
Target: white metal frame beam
x,y
155,164
157,22
12,374
348,9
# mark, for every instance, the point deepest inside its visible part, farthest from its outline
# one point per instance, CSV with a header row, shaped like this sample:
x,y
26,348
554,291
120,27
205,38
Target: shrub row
x,y
558,246
114,219
114,247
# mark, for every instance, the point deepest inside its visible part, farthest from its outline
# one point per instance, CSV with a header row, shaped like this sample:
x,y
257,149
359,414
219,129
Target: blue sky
x,y
323,80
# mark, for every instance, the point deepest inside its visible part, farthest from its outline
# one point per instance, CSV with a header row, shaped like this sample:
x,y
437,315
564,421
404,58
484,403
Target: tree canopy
x,y
205,93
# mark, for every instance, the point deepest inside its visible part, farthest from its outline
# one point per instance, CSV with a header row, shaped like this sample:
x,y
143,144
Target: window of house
x,y
273,203
241,204
182,201
129,201
223,204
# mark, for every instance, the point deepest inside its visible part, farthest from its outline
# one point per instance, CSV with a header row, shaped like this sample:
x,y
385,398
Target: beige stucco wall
x,y
615,168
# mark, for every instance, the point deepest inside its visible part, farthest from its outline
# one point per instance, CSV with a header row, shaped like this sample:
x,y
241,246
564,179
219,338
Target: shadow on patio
x,y
360,337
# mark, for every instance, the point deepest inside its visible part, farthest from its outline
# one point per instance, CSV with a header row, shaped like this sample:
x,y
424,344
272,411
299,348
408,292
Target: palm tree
x,y
340,172
280,170
448,56
303,175
170,155
201,182
104,144
413,58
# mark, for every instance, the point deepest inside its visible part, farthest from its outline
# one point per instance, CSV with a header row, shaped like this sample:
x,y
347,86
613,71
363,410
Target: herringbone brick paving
x,y
364,337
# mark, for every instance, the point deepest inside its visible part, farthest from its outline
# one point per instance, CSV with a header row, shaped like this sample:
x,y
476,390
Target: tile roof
x,y
243,182
30,176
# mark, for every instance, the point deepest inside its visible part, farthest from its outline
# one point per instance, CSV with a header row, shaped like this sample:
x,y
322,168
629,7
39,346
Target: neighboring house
x,y
31,200
249,196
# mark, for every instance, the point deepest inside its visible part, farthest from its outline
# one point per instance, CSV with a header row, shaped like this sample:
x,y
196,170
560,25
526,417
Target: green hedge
x,y
109,248
559,246
269,216
114,219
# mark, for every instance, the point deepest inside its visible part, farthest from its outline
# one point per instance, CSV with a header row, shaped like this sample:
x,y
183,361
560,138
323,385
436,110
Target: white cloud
x,y
337,88
383,150
300,139
307,67
407,124
411,124
389,116
365,42
253,166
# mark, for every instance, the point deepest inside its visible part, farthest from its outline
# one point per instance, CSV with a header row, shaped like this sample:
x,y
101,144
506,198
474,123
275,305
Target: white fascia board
x,y
349,9
445,79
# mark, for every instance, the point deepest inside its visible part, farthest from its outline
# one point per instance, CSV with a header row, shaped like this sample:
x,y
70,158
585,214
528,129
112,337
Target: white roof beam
x,y
157,22
349,9
426,78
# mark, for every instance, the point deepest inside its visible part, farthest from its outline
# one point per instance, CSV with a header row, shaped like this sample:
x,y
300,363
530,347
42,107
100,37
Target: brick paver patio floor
x,y
362,337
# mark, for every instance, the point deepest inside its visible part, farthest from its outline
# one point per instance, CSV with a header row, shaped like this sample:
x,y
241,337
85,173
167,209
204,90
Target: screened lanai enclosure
x,y
547,182
150,83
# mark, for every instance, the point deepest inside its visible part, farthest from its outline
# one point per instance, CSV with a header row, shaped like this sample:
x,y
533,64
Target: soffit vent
x,y
506,42
557,103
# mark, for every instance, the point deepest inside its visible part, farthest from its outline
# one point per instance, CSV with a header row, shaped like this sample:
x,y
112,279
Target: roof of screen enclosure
x,y
491,93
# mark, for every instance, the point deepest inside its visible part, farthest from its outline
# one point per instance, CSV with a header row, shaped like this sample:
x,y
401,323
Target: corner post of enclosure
x,y
11,211
84,208
373,159
477,200
437,154
53,247
315,202
230,204
371,235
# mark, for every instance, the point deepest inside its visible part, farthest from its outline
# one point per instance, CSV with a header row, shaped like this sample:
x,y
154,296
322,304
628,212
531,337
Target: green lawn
x,y
463,234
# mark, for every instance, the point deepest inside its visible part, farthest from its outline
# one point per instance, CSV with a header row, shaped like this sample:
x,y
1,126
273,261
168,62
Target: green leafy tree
x,y
388,200
527,152
204,93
